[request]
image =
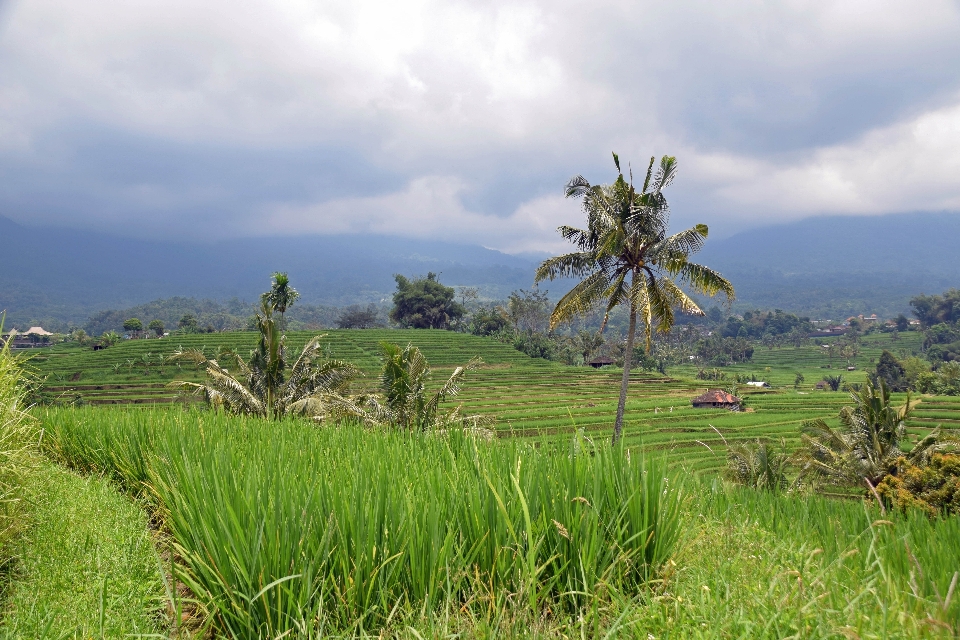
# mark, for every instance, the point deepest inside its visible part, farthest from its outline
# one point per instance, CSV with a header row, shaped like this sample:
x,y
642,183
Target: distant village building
x,y
822,385
32,337
602,361
716,399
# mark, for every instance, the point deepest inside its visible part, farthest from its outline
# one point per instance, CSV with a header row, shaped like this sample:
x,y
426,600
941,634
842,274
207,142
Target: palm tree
x,y
315,387
281,296
406,404
867,445
625,256
759,466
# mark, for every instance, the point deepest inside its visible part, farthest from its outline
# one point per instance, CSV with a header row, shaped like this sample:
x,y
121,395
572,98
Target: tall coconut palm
x,y
315,386
281,296
625,256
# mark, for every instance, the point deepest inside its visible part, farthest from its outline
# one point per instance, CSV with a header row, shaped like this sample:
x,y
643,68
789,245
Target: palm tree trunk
x,y
627,362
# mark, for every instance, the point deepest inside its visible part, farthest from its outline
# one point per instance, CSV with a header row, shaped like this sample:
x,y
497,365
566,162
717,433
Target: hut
x,y
822,385
716,399
602,361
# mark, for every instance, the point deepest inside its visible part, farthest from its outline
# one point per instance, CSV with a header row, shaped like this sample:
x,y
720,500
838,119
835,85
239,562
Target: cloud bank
x,y
463,120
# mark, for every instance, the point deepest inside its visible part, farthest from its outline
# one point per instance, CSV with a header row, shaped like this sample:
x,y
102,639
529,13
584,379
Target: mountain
x,y
837,266
829,267
60,277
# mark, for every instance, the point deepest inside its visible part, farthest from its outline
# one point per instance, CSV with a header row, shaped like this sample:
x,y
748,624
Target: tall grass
x,y
285,527
15,453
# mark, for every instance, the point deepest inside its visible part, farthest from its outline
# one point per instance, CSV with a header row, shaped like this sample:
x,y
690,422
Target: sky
x,y
462,121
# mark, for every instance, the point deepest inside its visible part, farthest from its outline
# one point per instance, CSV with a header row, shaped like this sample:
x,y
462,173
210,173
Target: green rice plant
x,y
16,431
283,527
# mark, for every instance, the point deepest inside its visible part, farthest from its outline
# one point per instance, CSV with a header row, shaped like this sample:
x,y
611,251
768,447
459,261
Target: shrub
x,y
934,488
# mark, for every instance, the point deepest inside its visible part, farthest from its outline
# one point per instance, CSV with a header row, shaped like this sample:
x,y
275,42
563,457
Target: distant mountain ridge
x,y
823,267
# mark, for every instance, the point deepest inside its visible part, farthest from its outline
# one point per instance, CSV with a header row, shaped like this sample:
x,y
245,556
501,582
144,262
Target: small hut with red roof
x,y
717,399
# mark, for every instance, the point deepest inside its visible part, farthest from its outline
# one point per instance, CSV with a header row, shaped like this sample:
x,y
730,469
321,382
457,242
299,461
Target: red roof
x,y
716,396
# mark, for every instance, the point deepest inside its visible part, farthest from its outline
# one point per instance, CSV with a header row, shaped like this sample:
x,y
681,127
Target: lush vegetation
x,y
282,527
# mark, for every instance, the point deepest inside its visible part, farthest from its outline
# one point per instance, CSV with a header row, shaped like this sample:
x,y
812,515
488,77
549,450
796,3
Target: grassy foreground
x,y
283,527
86,564
286,528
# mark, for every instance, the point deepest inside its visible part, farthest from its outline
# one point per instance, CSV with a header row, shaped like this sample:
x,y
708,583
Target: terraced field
x,y
529,397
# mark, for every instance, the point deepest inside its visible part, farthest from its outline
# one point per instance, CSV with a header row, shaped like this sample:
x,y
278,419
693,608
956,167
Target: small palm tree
x,y
758,466
281,296
625,256
406,403
316,387
867,445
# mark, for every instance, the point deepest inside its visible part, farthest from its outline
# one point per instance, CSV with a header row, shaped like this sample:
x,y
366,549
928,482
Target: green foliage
x,y
724,351
867,445
86,565
133,324
343,529
933,310
109,338
933,487
757,324
945,381
314,386
758,466
424,303
488,320
280,297
833,382
188,324
892,373
407,405
16,427
357,317
157,327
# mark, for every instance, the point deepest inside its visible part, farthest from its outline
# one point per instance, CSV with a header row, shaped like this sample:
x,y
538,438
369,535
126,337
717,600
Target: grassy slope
x,y
86,563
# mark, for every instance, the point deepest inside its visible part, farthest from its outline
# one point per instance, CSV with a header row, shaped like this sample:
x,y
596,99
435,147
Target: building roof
x,y
39,331
716,396
601,360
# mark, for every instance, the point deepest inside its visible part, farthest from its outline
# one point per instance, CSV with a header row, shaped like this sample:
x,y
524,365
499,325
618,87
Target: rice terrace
x,y
437,320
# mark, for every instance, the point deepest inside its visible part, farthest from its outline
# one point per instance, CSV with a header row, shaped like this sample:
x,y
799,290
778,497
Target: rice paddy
x,y
528,397
284,529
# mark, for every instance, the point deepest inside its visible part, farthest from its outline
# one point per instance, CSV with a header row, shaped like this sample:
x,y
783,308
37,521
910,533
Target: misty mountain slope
x,y
834,267
65,275
828,267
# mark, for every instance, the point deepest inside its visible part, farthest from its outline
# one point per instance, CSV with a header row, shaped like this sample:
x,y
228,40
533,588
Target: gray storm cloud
x,y
462,121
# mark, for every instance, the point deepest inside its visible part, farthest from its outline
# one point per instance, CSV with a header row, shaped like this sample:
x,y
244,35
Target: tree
x,y
356,317
315,386
133,325
109,338
903,324
281,296
424,303
157,327
891,372
798,380
406,404
866,448
626,257
79,336
188,324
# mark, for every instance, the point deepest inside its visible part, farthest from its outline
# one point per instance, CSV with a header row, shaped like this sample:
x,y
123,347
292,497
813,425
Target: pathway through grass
x,y
86,564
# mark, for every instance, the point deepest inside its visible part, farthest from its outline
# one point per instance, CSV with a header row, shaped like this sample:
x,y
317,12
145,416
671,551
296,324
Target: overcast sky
x,y
463,120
